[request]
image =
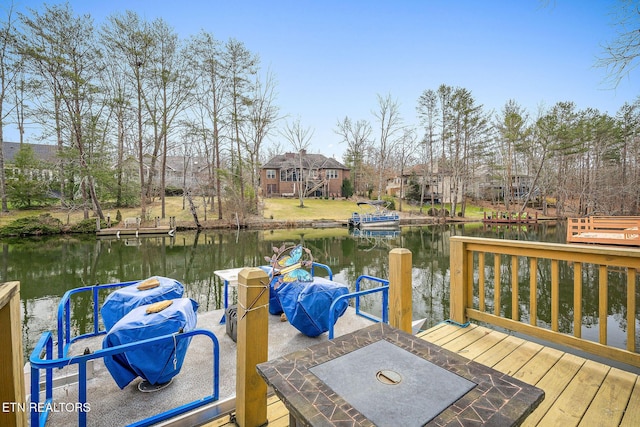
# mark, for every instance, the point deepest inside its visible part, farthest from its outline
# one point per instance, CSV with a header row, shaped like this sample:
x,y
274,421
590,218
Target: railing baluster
x,y
555,294
603,303
515,313
533,291
577,299
469,282
496,284
631,309
481,291
82,392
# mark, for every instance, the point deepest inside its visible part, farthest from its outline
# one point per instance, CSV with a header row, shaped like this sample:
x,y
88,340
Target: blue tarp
x,y
307,304
157,363
125,299
274,304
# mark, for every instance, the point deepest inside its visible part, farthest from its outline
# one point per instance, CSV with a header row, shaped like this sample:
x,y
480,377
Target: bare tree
x,y
128,39
262,117
428,114
357,136
170,94
467,125
511,126
405,154
117,98
621,54
240,65
210,91
9,70
390,126
628,174
300,139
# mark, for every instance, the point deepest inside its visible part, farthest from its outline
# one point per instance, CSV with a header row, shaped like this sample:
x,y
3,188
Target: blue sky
x,y
332,58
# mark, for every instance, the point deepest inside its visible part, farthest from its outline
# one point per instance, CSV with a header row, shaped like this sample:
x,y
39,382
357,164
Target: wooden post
x,y
12,392
252,347
459,292
400,289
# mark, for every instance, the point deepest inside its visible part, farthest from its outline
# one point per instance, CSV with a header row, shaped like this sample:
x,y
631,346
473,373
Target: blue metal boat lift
x,y
44,359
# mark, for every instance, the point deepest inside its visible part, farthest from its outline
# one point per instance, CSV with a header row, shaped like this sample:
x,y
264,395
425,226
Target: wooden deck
x,y
609,230
578,392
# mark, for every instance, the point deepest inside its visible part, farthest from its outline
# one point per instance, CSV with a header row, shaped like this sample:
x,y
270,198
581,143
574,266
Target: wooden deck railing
x,y
478,266
617,230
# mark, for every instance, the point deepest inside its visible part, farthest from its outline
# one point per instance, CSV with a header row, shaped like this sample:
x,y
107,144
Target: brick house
x,y
321,176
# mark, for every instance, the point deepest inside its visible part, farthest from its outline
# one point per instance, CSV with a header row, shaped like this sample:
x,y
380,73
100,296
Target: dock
x,y
111,406
585,382
510,218
604,230
134,227
578,391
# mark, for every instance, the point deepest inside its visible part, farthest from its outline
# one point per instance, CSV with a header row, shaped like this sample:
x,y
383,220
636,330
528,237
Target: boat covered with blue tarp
x,y
147,291
156,363
307,304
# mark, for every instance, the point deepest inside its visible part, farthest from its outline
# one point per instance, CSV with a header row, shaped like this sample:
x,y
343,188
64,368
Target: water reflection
x,y
48,267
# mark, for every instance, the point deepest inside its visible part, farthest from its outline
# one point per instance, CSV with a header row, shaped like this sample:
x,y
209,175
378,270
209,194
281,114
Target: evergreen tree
x,y
347,188
25,188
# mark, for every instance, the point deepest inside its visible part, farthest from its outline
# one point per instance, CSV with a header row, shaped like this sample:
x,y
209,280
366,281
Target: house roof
x,y
309,161
178,163
42,152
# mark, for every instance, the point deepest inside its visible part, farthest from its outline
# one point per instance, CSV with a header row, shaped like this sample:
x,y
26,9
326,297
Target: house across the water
x,y
321,176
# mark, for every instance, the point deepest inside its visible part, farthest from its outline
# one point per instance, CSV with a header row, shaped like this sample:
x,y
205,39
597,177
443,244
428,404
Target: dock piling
x,y
12,389
400,289
252,347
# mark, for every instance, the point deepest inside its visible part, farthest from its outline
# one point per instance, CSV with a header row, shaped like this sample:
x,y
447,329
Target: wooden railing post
x,y
252,347
400,289
12,391
459,292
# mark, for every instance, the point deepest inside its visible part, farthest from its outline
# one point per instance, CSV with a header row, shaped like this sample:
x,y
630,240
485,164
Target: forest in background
x,y
120,98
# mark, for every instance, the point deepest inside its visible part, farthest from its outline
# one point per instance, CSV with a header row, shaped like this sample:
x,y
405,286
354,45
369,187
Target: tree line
x,y
131,92
585,162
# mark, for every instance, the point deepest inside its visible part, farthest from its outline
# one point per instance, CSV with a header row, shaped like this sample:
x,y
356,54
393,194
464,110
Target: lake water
x,y
48,267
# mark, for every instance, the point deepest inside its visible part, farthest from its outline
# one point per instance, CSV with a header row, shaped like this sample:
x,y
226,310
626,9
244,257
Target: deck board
x,y
536,368
578,392
575,399
497,353
609,404
632,412
519,357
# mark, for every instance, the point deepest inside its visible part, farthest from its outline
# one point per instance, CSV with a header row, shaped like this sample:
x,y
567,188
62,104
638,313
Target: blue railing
x,y
384,289
40,413
64,314
324,266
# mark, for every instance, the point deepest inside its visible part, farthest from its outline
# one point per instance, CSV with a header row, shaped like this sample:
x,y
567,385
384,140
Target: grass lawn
x,y
173,207
274,208
284,209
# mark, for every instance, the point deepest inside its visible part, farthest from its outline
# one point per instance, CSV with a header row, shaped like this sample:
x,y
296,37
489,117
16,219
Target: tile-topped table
x,y
381,376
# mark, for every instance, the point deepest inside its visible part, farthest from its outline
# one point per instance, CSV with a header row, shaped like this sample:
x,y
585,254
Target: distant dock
x,y
134,227
510,218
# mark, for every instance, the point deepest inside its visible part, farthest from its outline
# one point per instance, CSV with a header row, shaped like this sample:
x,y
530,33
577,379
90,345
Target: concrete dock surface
x,y
110,406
